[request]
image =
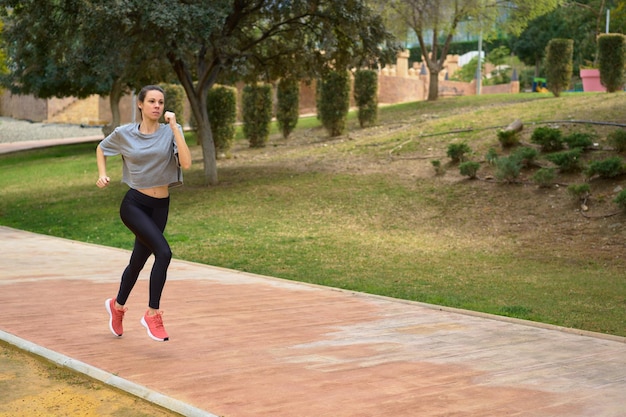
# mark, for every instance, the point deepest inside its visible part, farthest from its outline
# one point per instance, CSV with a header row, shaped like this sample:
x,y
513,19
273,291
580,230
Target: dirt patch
x,y
36,388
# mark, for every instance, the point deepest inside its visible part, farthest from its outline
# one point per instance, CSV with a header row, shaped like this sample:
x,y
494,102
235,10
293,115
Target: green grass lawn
x,y
372,231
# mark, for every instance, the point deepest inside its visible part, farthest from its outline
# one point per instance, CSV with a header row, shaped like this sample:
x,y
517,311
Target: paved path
x,y
244,345
43,143
18,135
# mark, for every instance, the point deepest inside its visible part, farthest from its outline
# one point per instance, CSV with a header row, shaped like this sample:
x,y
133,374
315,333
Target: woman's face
x,y
152,105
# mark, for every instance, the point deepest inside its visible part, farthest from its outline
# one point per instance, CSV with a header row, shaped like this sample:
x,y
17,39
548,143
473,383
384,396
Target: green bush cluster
x,y
617,138
620,199
439,169
579,191
549,138
469,168
578,140
567,161
257,114
559,64
366,96
607,168
491,156
222,109
508,138
333,101
611,60
544,177
287,105
525,156
457,151
508,168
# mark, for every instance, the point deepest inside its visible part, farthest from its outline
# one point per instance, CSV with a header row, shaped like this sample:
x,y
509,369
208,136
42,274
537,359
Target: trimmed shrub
x,y
469,168
578,140
491,156
366,96
525,156
508,168
508,138
287,105
257,114
544,177
334,101
607,168
174,101
222,108
579,191
559,54
617,138
611,60
456,151
568,161
439,169
620,199
550,139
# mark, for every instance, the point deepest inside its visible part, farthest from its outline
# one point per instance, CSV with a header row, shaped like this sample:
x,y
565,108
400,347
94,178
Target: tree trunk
x,y
208,153
433,86
537,67
114,102
197,93
205,136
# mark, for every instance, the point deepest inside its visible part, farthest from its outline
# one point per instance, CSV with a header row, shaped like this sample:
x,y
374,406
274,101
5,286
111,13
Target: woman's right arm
x,y
101,159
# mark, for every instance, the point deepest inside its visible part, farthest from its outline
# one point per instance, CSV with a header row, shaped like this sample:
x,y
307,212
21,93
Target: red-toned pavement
x,y
243,345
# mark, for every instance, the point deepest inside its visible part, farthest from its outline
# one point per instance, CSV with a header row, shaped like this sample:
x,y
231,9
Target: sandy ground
x,y
32,387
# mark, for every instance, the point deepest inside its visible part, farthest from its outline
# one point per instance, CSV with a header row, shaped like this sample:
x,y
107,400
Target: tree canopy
x,y
580,21
72,48
436,21
202,42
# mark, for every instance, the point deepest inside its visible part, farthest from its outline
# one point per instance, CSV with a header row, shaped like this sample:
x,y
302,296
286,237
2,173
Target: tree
x,y
251,40
73,48
530,45
589,24
618,17
436,21
206,41
3,58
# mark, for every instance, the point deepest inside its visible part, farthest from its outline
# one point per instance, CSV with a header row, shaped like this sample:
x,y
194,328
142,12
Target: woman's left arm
x,y
184,154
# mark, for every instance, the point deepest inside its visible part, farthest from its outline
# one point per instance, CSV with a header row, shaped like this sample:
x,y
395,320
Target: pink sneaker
x,y
115,317
154,326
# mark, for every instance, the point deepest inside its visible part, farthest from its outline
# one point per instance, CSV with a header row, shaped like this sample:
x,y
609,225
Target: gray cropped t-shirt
x,y
148,160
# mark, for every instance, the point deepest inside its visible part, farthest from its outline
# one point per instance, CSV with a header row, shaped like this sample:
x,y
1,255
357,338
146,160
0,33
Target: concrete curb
x,y
105,377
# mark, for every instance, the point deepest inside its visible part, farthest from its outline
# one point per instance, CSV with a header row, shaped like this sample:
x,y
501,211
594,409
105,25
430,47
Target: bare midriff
x,y
156,192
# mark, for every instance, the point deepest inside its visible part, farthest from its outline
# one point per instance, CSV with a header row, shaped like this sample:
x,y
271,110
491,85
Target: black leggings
x,y
146,217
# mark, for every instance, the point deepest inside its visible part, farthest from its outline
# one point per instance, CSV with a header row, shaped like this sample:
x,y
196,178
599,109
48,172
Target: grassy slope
x,y
361,212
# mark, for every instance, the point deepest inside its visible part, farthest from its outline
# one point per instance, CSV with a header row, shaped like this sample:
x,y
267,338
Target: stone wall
x,y
23,107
